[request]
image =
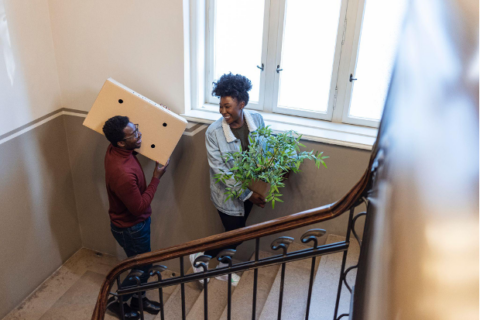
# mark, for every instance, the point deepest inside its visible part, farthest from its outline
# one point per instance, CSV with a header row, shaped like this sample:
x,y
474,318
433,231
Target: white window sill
x,y
312,130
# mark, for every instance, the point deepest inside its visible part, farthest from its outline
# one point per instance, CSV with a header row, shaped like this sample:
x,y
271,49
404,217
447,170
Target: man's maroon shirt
x,y
128,194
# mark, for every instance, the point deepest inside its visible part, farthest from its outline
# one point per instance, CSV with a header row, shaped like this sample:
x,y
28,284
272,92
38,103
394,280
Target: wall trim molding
x,y
38,122
191,130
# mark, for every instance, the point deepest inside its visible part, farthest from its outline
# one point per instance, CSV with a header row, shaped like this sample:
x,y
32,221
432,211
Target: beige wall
x,y
182,210
29,85
38,220
39,226
139,45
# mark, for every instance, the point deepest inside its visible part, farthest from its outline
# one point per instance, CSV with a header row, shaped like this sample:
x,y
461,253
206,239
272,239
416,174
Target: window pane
x,y
238,40
378,42
308,52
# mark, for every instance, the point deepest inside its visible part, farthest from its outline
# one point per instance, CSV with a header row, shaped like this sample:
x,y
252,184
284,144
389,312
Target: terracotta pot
x,y
260,187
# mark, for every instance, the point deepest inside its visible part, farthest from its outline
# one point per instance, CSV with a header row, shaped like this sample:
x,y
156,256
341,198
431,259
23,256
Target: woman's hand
x,y
257,199
286,175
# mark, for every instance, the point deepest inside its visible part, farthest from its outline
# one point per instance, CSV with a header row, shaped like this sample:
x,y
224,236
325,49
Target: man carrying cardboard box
x,y
129,198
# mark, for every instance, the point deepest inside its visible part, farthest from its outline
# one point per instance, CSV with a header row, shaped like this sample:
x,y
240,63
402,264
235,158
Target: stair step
x,y
173,306
297,277
57,285
243,295
326,281
217,301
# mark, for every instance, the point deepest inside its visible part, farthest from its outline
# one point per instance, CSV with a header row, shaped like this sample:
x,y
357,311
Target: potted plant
x,y
262,168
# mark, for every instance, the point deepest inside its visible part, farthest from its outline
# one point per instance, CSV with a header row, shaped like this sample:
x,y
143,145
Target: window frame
x,y
341,30
349,85
348,37
210,58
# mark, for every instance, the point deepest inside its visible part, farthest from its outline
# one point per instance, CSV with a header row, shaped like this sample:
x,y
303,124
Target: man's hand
x,y
159,169
257,199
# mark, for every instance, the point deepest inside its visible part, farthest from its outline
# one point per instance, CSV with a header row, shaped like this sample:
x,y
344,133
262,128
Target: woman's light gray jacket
x,y
219,140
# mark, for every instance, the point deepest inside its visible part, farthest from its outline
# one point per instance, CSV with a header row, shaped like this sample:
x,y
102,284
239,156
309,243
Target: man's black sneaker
x,y
114,307
149,306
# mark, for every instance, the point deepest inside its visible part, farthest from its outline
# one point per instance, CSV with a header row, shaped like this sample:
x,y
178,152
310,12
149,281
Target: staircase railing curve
x,y
347,203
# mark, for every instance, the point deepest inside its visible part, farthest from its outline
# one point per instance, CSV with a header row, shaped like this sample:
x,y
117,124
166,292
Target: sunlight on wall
x,y
29,85
6,43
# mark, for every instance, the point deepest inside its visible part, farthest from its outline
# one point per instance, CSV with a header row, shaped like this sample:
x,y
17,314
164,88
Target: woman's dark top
x,y
242,134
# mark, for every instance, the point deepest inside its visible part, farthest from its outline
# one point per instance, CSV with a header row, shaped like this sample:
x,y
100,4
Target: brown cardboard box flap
x,y
161,128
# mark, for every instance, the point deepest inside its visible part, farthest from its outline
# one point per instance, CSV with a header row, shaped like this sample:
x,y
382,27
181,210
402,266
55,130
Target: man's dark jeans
x,y
134,240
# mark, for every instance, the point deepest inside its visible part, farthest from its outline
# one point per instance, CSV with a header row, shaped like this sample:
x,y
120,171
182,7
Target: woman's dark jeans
x,y
134,240
232,223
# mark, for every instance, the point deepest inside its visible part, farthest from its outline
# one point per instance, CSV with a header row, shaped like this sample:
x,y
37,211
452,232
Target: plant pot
x,y
260,187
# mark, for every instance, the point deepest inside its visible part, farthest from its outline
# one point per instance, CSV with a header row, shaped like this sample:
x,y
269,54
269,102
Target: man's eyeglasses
x,y
135,133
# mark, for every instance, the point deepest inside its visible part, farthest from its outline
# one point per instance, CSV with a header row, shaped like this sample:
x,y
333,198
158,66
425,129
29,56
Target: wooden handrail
x,y
286,223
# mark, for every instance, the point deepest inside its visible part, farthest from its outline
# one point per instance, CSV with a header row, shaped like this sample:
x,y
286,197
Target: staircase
x,y
71,292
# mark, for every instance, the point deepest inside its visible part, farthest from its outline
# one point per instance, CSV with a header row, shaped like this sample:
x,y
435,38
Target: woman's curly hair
x,y
232,85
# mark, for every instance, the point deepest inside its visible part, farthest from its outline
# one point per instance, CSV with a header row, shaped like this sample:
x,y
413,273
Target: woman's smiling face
x,y
232,111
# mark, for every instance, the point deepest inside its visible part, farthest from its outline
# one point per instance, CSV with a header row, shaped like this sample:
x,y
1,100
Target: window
x,y
329,60
379,34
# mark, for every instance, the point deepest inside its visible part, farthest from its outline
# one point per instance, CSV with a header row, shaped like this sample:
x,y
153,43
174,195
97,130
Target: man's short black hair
x,y
235,86
113,129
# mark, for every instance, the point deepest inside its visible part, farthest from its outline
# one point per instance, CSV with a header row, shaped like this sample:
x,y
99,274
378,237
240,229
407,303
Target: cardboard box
x,y
161,128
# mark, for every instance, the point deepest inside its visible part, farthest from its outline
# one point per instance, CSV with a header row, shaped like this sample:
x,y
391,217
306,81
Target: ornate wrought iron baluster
x,y
226,257
281,243
255,280
345,274
135,275
182,288
344,260
202,261
120,299
312,235
157,270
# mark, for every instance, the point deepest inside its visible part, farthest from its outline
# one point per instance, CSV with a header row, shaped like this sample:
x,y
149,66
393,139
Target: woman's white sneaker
x,y
235,277
192,257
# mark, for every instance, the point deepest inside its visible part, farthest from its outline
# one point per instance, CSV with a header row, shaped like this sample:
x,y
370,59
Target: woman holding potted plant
x,y
230,134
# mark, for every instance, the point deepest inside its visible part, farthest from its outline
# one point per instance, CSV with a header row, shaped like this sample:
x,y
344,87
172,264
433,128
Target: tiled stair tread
x,y
47,294
85,271
79,301
243,294
326,281
217,301
297,276
173,306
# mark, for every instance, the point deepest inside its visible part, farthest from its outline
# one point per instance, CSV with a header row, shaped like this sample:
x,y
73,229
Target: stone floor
x,y
71,292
